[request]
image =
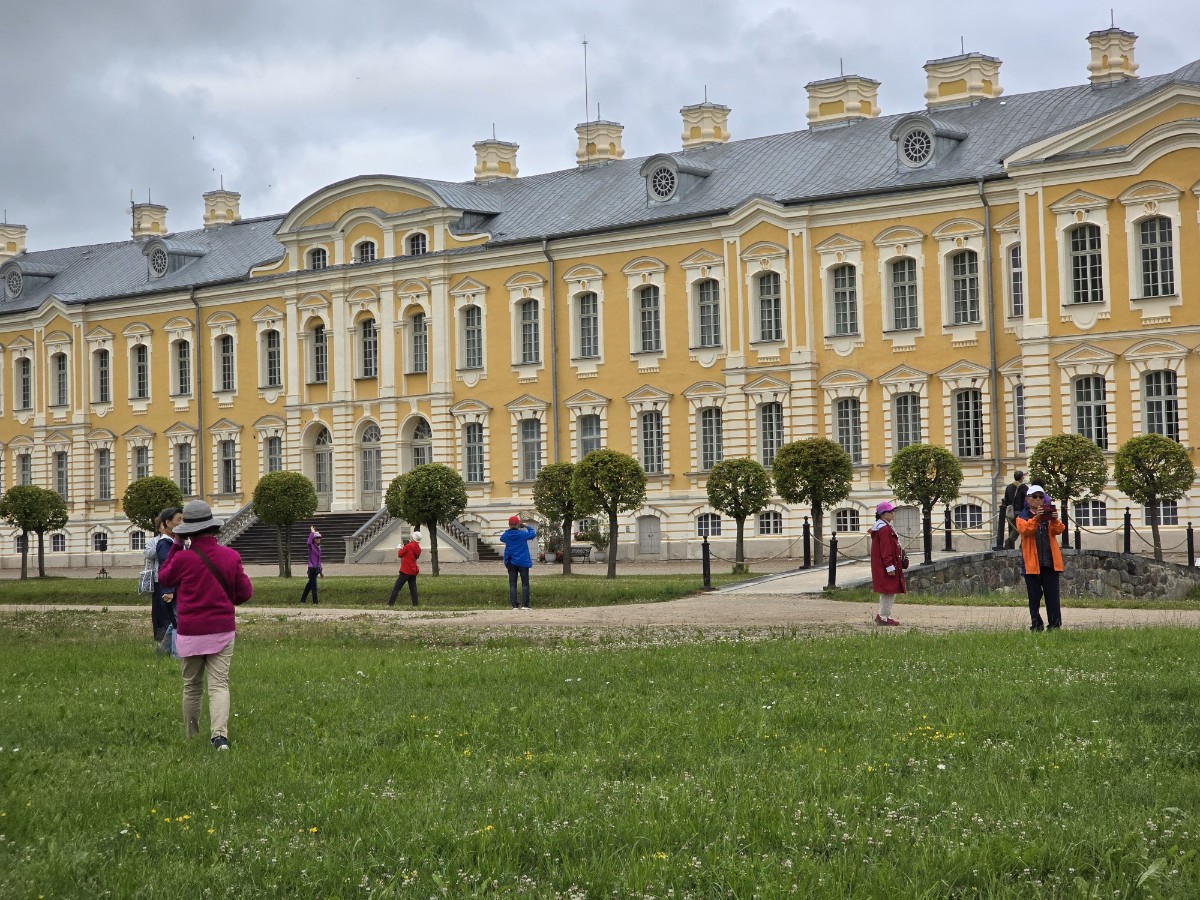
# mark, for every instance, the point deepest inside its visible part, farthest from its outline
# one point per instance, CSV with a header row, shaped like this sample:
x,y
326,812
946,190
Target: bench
x,y
583,553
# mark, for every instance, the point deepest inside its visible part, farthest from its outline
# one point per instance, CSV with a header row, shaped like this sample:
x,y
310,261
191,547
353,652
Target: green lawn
x,y
379,764
1014,598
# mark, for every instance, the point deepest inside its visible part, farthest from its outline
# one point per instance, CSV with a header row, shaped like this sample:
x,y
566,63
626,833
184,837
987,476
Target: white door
x,y
908,525
649,531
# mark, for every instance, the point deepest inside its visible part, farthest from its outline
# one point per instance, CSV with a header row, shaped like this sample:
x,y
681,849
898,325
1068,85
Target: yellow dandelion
x,y
489,828
313,830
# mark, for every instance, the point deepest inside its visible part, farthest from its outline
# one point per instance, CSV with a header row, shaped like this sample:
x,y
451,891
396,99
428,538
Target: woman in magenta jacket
x,y
887,562
209,581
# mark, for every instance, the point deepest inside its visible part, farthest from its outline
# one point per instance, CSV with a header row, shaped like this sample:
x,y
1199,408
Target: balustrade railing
x,y
362,539
237,525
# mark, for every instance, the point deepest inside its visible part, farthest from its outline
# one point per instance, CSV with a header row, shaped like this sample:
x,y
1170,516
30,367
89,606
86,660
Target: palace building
x,y
980,273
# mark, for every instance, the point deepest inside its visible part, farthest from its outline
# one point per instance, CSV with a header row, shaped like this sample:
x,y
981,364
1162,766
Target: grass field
x,y
370,764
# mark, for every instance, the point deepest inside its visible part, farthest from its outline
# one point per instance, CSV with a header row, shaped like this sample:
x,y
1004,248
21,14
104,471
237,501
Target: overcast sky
x,y
280,98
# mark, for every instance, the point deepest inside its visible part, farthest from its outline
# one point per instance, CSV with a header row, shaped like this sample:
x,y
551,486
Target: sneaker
x,y
526,608
220,742
1037,627
892,621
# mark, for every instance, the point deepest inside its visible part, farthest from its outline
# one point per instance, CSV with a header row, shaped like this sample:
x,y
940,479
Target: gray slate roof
x,y
796,167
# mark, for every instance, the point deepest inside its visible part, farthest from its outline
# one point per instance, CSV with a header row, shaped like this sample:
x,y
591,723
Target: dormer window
x,y
663,182
916,147
159,262
924,141
365,252
318,259
418,244
13,282
166,255
671,177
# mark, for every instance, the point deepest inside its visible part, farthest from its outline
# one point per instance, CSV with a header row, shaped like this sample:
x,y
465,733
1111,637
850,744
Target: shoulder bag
x,y
216,574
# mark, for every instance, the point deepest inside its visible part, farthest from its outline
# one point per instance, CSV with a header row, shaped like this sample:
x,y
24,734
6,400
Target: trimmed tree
x,y
553,499
610,482
428,495
816,472
1070,467
740,488
33,510
145,498
1152,468
282,499
924,475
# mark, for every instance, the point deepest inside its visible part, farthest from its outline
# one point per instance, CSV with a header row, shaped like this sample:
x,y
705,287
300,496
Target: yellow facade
x,y
974,348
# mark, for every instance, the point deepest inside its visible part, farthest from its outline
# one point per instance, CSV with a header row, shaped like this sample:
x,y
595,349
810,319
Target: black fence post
x,y
1001,529
1191,546
832,562
807,544
927,536
1128,531
949,535
707,563
1078,536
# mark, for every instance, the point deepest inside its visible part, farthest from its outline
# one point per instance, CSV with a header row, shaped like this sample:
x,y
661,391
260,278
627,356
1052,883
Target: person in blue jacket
x,y
516,557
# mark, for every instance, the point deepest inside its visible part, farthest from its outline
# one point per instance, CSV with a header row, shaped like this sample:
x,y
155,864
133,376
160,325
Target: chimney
x,y
962,80
221,208
149,219
704,124
1112,56
599,142
12,241
841,100
495,159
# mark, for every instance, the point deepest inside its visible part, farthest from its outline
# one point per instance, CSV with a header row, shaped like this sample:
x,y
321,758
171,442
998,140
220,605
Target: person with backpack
x,y
408,552
517,559
1014,502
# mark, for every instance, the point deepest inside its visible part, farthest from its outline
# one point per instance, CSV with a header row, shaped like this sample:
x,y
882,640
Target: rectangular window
x,y
904,294
770,522
183,468
849,427
320,355
103,377
24,468
589,434
274,454
964,280
1158,258
1091,513
906,420
708,525
968,424
274,360
1019,419
1016,282
845,300
141,462
589,326
137,540
58,543
420,343
225,353
709,309
712,440
770,308
61,382
473,337
651,425
531,449
104,487
651,327
25,383
183,367
1161,404
770,432
531,352
473,452
1168,513
62,475
967,516
846,520
141,372
1091,410
1087,281
370,349
228,467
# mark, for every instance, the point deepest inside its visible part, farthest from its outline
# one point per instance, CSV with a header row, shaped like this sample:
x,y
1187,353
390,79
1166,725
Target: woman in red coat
x,y
887,562
408,552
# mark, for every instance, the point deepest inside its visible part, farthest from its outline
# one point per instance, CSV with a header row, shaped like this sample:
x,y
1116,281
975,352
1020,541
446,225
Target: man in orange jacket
x,y
1041,560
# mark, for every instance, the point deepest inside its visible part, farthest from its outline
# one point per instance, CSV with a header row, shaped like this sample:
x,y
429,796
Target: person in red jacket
x,y
887,562
209,582
408,552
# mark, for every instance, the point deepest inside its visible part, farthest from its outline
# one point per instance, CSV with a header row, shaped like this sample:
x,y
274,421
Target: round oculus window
x,y
917,147
12,283
663,182
158,261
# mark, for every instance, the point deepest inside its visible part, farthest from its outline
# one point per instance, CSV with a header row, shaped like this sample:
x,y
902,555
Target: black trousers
x,y
513,573
1045,586
412,588
162,613
311,587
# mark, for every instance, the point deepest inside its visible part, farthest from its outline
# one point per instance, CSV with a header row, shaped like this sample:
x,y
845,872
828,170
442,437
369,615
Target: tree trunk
x,y
431,527
279,551
818,531
286,552
25,555
739,555
612,545
41,554
927,532
566,545
1154,507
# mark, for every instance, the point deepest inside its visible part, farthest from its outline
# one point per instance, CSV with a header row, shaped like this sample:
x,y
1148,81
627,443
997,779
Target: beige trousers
x,y
216,666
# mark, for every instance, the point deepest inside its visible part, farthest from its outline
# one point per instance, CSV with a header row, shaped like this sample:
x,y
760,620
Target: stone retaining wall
x,y
1089,573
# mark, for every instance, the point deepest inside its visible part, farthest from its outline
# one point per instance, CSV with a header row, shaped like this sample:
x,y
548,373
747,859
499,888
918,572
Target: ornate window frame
x,y
586,403
219,432
527,407
266,428
179,329
53,345
893,245
833,252
135,438
704,265
222,324
1082,208
473,412
953,237
580,280
962,376
265,320
903,380
1147,200
759,260
464,295
644,399
1081,361
645,272
701,396
1156,355
523,287
847,385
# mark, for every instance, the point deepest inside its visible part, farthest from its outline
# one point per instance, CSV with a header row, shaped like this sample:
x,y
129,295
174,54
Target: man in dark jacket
x,y
1014,502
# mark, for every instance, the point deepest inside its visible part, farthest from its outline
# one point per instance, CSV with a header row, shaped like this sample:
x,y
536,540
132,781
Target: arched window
x,y
472,337
588,324
848,427
226,362
102,373
845,300
318,258
904,294
417,244
62,393
1161,403
229,467
964,287
1087,281
967,516
708,525
968,423
272,358
140,376
371,455
62,474
530,449
1016,282
368,348
473,453
24,383
651,439
182,352
649,319
141,462
422,443
274,454
183,468
320,355
770,432
1158,257
420,343
712,441
906,420
589,434
1091,409
770,522
708,313
1019,419
845,520
770,308
104,474
530,333
24,468
365,252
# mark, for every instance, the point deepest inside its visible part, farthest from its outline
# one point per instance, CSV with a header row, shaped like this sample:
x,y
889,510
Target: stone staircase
x,y
257,543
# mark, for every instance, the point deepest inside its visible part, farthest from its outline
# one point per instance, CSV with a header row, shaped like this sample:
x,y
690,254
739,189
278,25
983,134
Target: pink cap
x,y
884,507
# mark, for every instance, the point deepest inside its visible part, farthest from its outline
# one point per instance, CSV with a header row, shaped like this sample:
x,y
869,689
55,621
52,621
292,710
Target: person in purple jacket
x,y
209,582
314,565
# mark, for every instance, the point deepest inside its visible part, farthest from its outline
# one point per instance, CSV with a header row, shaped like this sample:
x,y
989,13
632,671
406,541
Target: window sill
x,y
187,396
973,323
366,377
914,328
768,342
1083,303
270,387
657,352
585,359
842,337
417,372
712,348
316,383
1154,297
